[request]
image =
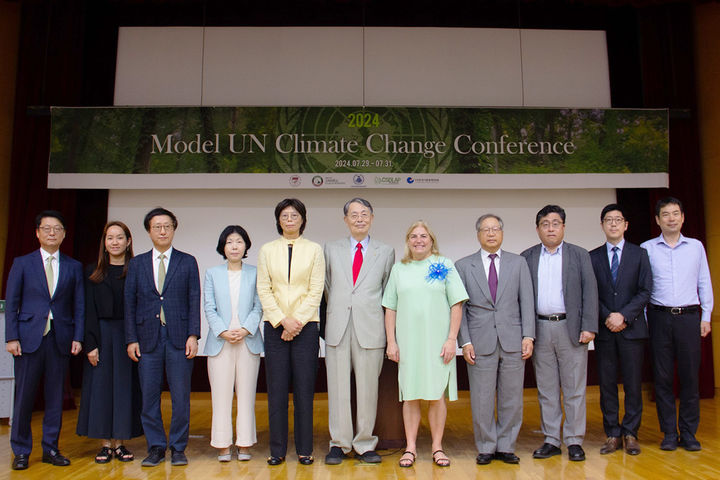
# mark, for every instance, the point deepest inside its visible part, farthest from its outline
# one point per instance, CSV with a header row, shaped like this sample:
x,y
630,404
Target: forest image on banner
x,y
382,140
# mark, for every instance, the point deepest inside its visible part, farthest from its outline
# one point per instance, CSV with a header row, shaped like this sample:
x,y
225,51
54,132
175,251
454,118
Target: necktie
x,y
50,275
492,276
357,262
161,284
614,264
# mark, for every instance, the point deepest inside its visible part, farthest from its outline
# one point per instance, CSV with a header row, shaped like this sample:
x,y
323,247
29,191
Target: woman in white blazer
x,y
234,343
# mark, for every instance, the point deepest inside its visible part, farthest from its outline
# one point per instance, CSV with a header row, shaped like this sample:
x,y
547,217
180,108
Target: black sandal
x,y
104,455
123,454
407,462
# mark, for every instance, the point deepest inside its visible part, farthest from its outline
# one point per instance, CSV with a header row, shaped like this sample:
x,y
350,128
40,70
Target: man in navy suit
x,y
624,280
44,324
162,327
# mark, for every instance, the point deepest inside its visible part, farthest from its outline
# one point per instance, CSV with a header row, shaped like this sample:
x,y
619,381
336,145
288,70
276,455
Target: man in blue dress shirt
x,y
678,315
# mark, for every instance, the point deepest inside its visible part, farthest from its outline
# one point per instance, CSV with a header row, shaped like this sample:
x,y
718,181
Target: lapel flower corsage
x,y
437,271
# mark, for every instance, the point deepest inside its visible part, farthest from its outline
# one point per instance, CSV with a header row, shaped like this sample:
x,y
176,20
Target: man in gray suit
x,y
566,302
357,269
496,334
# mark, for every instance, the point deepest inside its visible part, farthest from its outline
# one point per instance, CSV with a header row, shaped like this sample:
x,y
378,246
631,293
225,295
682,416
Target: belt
x,y
554,317
676,310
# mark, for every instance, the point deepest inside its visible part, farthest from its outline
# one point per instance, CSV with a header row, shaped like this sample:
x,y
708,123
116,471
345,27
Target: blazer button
x,y
157,316
161,298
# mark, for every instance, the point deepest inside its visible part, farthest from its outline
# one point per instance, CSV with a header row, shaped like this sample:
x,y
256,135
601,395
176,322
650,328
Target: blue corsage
x,y
437,271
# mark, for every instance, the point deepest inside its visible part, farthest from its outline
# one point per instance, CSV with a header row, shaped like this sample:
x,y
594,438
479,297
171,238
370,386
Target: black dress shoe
x,y
507,457
484,458
335,456
20,462
546,451
156,455
54,457
306,459
178,458
670,442
689,442
275,460
576,453
371,456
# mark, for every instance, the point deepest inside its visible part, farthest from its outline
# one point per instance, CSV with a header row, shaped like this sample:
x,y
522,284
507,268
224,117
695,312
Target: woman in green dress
x,y
423,302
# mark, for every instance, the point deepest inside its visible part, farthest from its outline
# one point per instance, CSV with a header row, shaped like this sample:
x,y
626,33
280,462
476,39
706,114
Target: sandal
x,y
123,454
104,455
443,461
407,462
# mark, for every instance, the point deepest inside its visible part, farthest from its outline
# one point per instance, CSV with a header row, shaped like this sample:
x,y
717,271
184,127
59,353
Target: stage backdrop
x,y
341,147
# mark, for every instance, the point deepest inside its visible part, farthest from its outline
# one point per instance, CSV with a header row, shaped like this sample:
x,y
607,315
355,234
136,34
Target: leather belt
x,y
676,310
554,317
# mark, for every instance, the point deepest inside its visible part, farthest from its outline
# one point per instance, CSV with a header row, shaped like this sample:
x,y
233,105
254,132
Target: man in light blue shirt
x,y
678,315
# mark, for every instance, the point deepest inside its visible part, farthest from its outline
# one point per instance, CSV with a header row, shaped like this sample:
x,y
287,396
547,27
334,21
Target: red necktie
x,y
357,262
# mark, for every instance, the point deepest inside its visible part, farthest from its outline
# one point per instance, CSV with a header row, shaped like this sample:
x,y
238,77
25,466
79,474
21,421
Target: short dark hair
x,y
229,230
49,213
667,201
359,200
297,205
547,210
609,208
156,212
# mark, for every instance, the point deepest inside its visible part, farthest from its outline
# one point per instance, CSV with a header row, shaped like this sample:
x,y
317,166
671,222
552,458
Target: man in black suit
x,y
624,280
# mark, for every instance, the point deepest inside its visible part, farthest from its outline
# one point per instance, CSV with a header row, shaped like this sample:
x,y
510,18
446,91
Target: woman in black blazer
x,y
110,402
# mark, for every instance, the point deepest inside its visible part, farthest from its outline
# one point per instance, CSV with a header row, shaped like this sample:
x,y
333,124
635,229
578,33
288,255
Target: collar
x,y
45,254
620,245
486,255
545,251
364,242
167,253
660,239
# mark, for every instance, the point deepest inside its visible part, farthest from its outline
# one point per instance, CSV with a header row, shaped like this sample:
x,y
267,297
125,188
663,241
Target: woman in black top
x,y
110,402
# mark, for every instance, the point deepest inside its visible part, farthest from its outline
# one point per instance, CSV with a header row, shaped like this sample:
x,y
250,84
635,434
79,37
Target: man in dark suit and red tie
x,y
624,280
162,327
44,320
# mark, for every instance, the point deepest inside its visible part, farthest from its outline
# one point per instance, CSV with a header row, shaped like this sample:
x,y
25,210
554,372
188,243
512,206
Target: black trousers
x,y
676,337
627,355
294,362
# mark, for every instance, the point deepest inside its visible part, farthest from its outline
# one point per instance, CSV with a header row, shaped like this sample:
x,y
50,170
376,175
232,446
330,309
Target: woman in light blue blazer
x,y
234,343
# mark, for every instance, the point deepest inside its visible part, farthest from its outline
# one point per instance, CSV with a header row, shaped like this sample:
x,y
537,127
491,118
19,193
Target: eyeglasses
x,y
159,228
490,229
48,228
613,220
555,224
289,216
362,216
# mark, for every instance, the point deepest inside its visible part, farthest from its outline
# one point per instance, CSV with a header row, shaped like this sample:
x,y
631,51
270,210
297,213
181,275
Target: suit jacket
x,y
300,296
364,299
579,287
629,294
28,303
218,307
510,317
180,300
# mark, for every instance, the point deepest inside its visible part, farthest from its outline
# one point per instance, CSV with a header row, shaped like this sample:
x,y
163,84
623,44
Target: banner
x,y
342,147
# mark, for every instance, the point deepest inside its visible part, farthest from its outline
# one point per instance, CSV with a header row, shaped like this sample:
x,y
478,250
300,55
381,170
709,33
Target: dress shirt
x,y
353,247
486,262
550,284
610,246
156,263
681,275
56,270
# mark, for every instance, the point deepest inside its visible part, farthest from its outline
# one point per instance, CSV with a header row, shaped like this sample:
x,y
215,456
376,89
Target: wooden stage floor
x,y
651,463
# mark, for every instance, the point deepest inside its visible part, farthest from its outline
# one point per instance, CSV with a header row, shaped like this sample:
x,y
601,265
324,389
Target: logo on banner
x,y
317,180
295,181
410,179
358,180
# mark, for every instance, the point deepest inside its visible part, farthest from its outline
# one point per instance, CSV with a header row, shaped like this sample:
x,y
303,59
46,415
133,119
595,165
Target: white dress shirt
x,y
156,263
550,284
